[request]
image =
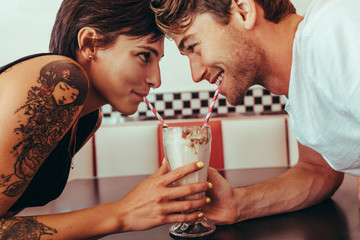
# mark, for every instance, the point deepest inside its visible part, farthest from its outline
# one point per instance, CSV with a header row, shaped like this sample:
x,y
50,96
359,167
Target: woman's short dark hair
x,y
110,18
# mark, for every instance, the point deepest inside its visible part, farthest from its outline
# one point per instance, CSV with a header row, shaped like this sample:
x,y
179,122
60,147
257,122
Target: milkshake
x,y
183,145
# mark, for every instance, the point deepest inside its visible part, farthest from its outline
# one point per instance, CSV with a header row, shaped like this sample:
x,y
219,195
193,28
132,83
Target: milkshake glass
x,y
183,145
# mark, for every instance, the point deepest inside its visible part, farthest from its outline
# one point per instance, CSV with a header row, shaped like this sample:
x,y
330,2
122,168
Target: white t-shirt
x,y
324,92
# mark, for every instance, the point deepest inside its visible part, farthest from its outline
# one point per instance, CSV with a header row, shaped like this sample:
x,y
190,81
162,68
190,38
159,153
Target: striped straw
x,y
155,112
207,118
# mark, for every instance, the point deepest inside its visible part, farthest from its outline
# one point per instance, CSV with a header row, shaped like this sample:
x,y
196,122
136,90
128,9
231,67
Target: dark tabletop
x,y
335,218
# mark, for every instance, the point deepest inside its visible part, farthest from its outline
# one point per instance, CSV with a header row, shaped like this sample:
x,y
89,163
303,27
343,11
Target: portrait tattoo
x,y
51,107
26,228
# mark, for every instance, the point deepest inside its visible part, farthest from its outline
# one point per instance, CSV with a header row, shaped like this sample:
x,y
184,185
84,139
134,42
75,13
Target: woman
x,y
101,52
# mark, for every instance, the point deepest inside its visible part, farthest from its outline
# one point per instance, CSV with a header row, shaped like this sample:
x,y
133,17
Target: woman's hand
x,y
222,209
154,201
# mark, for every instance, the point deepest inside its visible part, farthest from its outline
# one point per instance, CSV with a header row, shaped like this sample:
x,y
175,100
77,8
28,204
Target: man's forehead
x,y
188,34
197,25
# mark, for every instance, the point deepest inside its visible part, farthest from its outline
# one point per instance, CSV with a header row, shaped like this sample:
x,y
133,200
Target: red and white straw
x,y
155,112
207,118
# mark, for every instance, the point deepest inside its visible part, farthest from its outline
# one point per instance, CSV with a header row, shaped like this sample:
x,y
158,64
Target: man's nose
x,y
198,70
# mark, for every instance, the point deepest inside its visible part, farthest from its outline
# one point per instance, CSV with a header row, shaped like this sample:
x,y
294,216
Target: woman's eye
x,y
145,56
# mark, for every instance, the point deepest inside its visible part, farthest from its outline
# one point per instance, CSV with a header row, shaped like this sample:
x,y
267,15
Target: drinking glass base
x,y
199,228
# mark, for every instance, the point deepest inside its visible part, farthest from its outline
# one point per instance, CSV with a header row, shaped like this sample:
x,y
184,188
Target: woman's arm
x,y
40,100
151,203
309,182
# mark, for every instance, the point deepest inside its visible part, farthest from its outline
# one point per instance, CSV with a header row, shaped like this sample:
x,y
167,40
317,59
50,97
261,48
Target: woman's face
x,y
124,73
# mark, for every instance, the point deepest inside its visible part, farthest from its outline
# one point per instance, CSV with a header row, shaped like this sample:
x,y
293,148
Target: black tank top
x,y
51,178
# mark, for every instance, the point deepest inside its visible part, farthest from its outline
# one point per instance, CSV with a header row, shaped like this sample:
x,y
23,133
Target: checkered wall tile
x,y
196,105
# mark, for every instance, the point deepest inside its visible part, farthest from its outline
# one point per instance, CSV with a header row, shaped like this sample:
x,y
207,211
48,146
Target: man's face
x,y
222,52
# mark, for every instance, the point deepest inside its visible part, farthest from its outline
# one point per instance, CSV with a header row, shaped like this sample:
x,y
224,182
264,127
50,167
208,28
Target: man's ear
x,y
246,11
86,37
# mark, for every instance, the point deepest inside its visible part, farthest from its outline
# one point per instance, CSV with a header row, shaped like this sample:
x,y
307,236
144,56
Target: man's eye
x,y
145,56
191,48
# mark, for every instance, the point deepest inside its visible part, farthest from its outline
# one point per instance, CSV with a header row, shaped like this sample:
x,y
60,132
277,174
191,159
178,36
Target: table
x,y
335,218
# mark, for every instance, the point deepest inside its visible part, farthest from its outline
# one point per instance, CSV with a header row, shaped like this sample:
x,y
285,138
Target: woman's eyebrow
x,y
153,50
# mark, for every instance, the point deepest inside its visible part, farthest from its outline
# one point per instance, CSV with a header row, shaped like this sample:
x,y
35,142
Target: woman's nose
x,y
198,70
154,78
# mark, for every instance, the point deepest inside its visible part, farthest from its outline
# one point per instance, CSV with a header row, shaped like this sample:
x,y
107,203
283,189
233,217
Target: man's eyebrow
x,y
153,50
181,46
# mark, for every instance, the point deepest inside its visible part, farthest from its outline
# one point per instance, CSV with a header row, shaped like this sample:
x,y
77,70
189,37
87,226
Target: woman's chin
x,y
128,110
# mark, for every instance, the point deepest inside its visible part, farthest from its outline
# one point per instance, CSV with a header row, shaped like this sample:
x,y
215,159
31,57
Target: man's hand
x,y
222,209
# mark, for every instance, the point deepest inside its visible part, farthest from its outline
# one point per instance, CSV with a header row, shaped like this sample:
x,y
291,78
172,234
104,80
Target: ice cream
x,y
183,145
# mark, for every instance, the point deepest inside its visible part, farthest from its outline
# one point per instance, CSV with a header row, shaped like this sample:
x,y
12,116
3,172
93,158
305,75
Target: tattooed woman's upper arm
x,y
39,100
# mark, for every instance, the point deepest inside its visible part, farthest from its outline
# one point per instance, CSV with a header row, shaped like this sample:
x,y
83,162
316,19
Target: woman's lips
x,y
140,95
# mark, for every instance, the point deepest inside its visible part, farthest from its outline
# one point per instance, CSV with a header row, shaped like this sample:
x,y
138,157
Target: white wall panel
x,y
293,145
255,142
129,149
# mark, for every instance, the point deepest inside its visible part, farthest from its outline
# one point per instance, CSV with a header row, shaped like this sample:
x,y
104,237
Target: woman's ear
x,y
246,10
86,37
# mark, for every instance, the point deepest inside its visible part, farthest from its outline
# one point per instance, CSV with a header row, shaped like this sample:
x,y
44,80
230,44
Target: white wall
x,y
26,26
301,5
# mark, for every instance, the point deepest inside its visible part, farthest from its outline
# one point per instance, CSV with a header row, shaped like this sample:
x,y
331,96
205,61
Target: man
x,y
311,61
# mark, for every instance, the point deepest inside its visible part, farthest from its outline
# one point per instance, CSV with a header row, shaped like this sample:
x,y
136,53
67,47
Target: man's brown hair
x,y
174,16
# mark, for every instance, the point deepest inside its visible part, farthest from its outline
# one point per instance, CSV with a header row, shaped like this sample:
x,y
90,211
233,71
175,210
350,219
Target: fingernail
x,y
200,215
208,200
164,161
210,185
200,164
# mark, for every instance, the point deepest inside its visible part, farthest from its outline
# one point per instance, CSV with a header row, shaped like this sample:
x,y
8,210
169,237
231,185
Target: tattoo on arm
x,y
4,180
51,107
25,228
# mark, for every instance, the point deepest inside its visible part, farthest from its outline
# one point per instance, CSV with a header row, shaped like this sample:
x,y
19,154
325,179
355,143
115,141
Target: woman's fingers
x,y
187,190
162,170
185,205
181,172
182,217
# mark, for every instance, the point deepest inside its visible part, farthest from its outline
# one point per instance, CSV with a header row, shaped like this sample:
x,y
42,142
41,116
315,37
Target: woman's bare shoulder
x,y
26,71
49,73
39,101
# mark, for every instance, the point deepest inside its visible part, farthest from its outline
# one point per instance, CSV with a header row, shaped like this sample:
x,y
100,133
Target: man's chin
x,y
233,101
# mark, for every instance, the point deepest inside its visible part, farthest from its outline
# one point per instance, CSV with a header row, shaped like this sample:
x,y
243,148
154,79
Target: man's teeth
x,y
219,79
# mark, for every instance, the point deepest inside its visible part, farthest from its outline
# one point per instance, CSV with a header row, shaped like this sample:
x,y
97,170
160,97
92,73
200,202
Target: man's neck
x,y
277,42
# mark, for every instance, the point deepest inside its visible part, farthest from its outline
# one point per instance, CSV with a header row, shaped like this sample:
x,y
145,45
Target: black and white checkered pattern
x,y
196,104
